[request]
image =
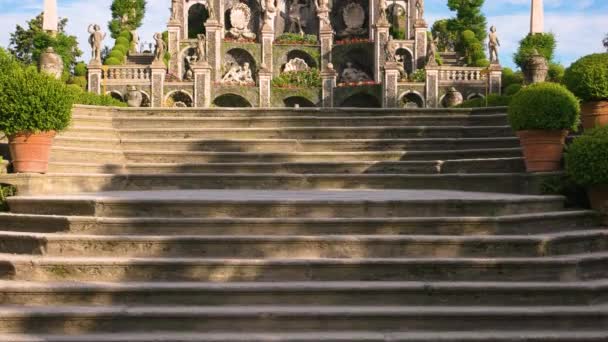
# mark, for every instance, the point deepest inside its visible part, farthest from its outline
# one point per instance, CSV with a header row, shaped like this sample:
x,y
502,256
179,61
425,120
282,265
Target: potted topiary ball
x,y
542,114
587,78
33,107
587,164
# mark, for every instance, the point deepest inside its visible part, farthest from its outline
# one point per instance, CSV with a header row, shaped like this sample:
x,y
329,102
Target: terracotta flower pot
x,y
30,152
594,114
598,197
543,149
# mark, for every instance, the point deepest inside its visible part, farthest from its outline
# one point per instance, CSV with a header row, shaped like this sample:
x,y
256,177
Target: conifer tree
x,y
127,15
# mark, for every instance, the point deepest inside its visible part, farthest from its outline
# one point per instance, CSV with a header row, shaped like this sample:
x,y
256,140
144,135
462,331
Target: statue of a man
x,y
420,9
382,9
390,51
211,10
134,41
493,45
95,39
295,17
201,47
159,49
270,9
322,7
174,9
431,58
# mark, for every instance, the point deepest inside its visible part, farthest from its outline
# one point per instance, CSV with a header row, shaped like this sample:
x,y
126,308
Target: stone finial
x,y
537,17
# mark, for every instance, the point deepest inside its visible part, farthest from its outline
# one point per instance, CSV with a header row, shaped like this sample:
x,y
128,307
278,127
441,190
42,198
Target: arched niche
x,y
146,101
310,61
116,95
231,101
407,58
239,56
179,99
187,57
474,96
412,99
305,9
256,14
340,26
361,100
298,101
197,16
397,14
361,60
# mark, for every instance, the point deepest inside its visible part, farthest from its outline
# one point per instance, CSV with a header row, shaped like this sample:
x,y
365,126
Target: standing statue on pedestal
x,y
211,10
390,50
420,9
295,17
201,48
95,39
322,7
159,49
382,10
431,56
134,41
174,4
493,45
270,11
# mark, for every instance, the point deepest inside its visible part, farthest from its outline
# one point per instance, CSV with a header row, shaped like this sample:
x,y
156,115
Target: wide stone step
x,y
304,293
349,132
351,246
522,183
563,268
80,154
89,132
541,223
372,167
263,319
287,204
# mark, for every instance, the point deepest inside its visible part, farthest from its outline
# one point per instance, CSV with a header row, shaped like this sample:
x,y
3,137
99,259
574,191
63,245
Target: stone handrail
x,y
127,72
462,74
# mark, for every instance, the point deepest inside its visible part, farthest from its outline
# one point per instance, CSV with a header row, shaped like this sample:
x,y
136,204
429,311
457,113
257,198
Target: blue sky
x,y
578,24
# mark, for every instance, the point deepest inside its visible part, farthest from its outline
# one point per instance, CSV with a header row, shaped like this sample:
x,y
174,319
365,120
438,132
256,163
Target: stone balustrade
x,y
127,72
462,74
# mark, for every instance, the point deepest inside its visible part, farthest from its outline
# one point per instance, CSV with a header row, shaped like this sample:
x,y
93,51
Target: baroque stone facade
x,y
226,53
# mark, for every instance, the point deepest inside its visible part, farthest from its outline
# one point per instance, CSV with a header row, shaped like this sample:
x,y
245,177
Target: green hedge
x,y
86,98
116,54
548,106
301,79
80,69
512,89
587,78
5,192
31,101
112,61
587,158
80,81
294,38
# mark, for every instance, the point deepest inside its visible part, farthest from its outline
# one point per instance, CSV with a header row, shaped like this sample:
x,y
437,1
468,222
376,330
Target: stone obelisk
x,y
537,17
49,23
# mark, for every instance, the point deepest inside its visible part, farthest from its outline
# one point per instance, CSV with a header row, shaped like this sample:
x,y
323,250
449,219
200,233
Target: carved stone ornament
x,y
238,75
134,97
536,69
240,16
350,74
453,98
296,64
354,18
51,63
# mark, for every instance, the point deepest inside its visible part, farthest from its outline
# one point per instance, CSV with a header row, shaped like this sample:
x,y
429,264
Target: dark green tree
x,y
544,43
468,17
28,43
445,37
127,15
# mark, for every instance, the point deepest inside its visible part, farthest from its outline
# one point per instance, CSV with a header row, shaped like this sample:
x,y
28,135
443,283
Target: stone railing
x,y
462,74
127,73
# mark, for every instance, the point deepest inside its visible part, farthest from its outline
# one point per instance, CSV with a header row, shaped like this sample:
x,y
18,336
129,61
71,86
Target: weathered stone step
x,y
522,183
89,132
351,246
590,266
80,154
353,167
541,223
325,336
78,320
387,132
287,204
304,293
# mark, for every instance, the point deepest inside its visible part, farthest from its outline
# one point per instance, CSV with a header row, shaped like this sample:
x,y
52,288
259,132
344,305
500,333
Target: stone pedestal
x,y
267,42
95,73
265,77
326,37
432,87
202,84
495,79
157,95
381,36
329,78
389,85
420,29
214,48
174,30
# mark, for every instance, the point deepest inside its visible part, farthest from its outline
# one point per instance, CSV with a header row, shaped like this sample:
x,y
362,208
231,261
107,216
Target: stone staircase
x,y
140,58
296,225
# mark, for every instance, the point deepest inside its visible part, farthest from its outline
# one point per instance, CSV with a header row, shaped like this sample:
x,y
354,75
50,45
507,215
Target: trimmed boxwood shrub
x,y
122,41
31,101
512,89
587,78
587,158
299,79
112,61
122,49
85,98
544,106
80,69
116,54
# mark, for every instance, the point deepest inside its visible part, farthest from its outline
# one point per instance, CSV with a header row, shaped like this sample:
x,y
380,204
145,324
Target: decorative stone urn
x,y
453,98
134,97
51,63
537,68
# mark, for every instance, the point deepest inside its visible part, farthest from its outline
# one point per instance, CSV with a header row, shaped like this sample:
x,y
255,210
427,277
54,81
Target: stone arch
x,y
397,14
197,16
146,99
115,94
240,56
361,100
310,61
412,99
300,101
361,60
182,63
308,17
473,96
408,59
231,100
179,98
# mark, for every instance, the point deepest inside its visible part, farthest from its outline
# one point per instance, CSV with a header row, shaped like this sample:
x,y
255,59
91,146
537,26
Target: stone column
x,y
95,78
537,17
381,34
420,29
495,79
202,84
389,85
329,78
326,36
267,43
158,84
214,48
265,77
174,30
432,87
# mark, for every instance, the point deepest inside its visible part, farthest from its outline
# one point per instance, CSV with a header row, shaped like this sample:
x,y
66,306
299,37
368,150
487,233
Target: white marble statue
x,y
95,40
296,64
240,16
351,74
420,9
174,8
493,45
238,75
270,11
201,48
382,10
322,7
134,41
431,56
159,49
